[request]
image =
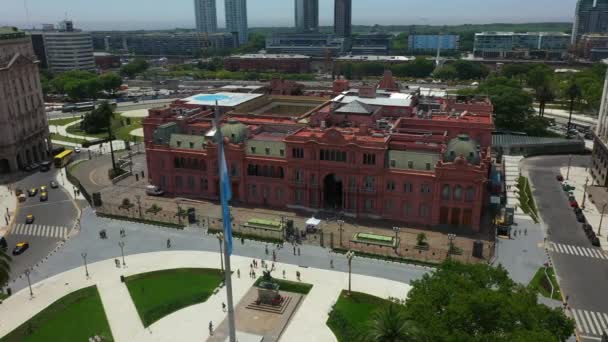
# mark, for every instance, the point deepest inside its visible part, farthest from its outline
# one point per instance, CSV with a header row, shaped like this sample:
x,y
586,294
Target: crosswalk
x,y
40,230
590,322
577,250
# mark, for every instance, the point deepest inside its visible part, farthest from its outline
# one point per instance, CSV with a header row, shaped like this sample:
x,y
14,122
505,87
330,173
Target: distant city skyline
x,y
157,14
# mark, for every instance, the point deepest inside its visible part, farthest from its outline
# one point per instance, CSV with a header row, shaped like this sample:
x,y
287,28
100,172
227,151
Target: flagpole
x,y
225,195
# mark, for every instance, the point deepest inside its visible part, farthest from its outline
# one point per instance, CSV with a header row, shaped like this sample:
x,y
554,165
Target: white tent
x,y
312,224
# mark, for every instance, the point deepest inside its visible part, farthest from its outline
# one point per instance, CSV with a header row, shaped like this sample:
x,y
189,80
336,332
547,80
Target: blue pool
x,y
211,98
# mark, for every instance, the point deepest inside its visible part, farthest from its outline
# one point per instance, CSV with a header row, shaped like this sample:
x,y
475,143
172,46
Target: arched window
x,y
265,171
469,195
203,165
445,192
281,172
458,193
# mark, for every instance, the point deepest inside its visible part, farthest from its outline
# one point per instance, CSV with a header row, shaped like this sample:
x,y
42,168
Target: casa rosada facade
x,y
375,155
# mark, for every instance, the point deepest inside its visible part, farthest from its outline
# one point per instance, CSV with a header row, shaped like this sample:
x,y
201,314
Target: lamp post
x,y
585,193
341,229
29,283
599,228
451,238
396,230
138,198
220,239
121,244
86,268
569,163
349,256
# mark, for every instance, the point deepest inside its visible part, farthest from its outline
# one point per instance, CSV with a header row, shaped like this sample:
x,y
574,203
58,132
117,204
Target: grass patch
x,y
239,236
64,121
121,132
526,200
75,317
352,313
289,286
388,258
540,283
59,138
158,294
150,222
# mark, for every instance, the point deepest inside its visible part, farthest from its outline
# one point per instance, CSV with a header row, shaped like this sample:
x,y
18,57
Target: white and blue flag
x,y
225,192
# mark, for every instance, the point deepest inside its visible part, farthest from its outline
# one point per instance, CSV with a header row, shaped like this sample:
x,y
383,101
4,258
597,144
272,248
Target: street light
x,y
349,256
138,198
29,283
84,258
341,229
121,244
220,239
599,229
451,238
396,230
585,193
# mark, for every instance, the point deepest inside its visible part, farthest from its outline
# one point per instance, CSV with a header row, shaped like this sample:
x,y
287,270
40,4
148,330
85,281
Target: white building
x,y
206,16
65,48
23,126
599,160
236,19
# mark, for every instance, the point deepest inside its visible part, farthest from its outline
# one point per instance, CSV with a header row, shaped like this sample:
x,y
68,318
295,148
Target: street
x,y
582,278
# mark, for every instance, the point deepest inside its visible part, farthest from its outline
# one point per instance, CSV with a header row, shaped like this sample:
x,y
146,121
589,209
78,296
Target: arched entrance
x,y
332,192
5,166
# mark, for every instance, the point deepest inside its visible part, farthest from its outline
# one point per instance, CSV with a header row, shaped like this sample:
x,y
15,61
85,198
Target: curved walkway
x,y
137,113
62,130
190,324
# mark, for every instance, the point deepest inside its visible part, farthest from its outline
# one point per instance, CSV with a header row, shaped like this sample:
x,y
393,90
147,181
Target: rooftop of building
x,y
375,58
269,56
460,117
223,99
7,32
281,106
382,98
506,33
350,134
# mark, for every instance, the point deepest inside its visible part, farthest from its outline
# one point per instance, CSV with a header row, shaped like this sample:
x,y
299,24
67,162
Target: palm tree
x,y
106,111
544,94
390,325
5,267
573,92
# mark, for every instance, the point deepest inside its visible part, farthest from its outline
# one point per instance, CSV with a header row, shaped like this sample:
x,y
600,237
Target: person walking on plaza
x,y
298,275
283,274
298,251
238,273
223,306
331,263
266,249
210,328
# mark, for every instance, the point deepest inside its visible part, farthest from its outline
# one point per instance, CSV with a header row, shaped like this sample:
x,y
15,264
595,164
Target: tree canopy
x,y
462,70
76,84
136,66
459,302
99,119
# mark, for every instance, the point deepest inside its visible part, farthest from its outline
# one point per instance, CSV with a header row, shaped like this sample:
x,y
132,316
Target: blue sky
x,y
147,14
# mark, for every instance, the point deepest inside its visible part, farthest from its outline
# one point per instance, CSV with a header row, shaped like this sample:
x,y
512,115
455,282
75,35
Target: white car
x,y
153,190
77,149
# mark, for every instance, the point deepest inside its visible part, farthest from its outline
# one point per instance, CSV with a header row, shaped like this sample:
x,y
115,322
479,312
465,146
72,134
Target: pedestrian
x,y
266,249
223,306
298,275
294,250
526,232
298,251
515,233
6,219
253,274
250,266
238,273
331,263
283,274
210,328
168,243
272,268
117,262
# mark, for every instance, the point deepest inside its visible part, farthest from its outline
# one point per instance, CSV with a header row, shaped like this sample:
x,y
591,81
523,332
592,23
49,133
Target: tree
x,y
390,325
467,70
540,78
478,302
110,82
573,92
446,72
98,120
5,267
137,66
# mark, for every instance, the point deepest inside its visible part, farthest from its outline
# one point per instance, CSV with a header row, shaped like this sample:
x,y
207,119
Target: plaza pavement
x,y
190,324
8,204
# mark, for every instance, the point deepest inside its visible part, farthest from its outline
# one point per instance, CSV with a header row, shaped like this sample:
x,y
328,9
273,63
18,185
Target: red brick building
x,y
378,158
293,64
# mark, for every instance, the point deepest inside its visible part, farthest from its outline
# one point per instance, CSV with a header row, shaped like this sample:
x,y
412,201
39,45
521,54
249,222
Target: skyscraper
x,y
591,17
343,18
236,19
307,15
206,16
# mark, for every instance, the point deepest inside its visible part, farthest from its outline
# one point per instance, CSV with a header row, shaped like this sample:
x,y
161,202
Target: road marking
x,y
40,230
590,322
577,250
43,204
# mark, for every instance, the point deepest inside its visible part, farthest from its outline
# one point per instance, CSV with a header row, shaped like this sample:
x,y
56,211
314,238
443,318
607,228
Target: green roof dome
x,y
235,131
464,146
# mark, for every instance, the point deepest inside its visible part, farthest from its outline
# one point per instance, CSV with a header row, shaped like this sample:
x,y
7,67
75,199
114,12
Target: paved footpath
x,y
8,205
190,324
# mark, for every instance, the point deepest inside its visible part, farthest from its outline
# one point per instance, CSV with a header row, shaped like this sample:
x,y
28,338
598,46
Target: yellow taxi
x,y
29,219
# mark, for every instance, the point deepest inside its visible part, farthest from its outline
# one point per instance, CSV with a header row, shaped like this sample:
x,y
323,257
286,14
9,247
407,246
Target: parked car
x,y
18,191
29,219
44,197
580,217
560,178
32,192
154,190
45,166
54,185
595,241
20,248
77,149
574,204
43,188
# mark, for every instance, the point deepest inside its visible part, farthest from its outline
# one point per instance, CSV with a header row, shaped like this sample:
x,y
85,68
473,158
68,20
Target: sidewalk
x,y
8,205
190,324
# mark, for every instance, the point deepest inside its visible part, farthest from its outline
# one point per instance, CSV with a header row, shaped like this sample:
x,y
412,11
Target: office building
x,y
366,154
429,43
599,158
64,48
206,16
378,44
531,45
162,43
593,46
24,135
307,15
256,62
591,16
236,19
343,11
309,44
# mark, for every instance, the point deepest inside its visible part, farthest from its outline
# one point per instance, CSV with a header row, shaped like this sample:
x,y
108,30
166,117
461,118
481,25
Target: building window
x,y
369,159
234,170
191,182
407,209
267,150
368,183
368,204
410,164
458,193
425,188
445,192
299,196
253,190
163,182
179,143
390,186
424,210
279,194
352,183
298,153
333,155
313,179
282,153
178,182
428,166
469,194
393,163
204,184
407,187
388,205
299,176
252,149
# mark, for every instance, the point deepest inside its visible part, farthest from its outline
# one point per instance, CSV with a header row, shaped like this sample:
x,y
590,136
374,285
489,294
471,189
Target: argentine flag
x,y
225,192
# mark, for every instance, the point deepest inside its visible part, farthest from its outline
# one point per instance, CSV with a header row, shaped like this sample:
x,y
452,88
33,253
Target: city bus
x,y
63,158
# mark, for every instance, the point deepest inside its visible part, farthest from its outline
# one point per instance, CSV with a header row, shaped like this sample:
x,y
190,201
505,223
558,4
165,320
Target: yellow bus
x,y
63,158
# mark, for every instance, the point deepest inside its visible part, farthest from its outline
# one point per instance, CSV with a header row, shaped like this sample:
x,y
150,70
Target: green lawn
x,y
75,317
158,294
542,286
289,286
120,131
63,122
526,199
352,313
